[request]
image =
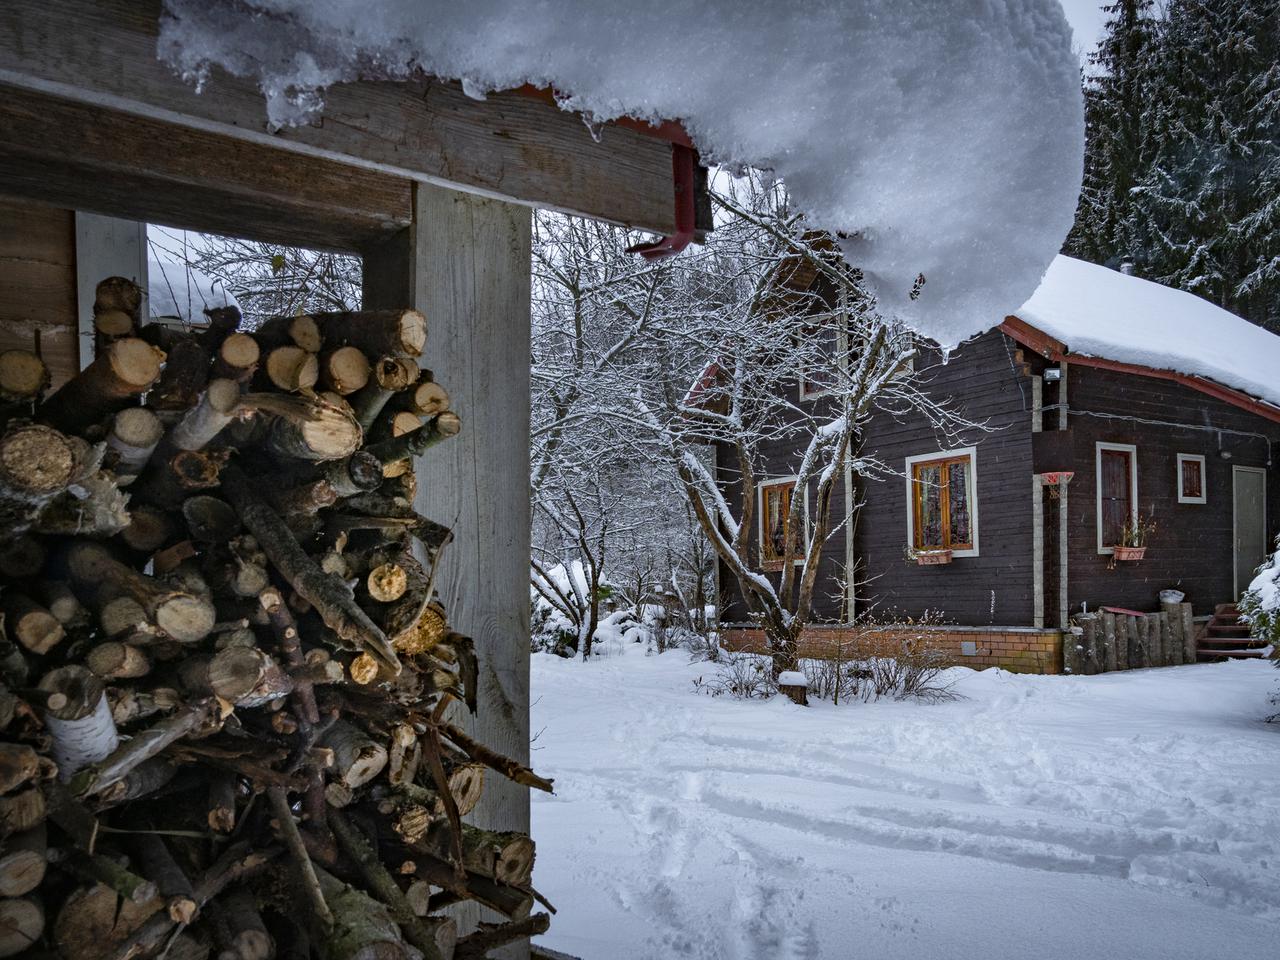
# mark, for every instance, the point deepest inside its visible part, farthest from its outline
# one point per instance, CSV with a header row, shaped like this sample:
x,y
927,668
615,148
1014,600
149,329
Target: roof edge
x,y
1052,349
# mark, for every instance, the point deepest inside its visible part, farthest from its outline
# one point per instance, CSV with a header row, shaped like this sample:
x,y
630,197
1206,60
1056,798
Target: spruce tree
x,y
1206,213
1117,93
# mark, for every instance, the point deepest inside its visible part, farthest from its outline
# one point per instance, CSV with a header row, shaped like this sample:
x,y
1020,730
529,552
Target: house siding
x,y
986,385
1191,548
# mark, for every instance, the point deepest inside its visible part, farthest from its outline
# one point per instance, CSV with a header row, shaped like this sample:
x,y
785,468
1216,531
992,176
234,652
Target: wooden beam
x,y
465,264
68,154
508,146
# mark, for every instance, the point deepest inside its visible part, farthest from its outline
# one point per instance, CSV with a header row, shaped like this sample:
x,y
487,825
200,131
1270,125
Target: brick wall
x,y
1018,649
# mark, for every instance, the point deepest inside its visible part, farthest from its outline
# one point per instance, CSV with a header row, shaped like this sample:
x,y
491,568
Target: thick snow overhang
x,y
1055,350
939,145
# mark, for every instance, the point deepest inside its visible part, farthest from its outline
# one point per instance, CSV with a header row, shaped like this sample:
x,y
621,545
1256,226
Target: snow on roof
x,y
941,139
1104,313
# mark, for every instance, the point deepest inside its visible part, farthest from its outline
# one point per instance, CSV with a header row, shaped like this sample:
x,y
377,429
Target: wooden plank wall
x,y
1191,547
38,284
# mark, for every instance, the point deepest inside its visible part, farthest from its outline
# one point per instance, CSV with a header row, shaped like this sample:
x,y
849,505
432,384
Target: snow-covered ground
x,y
1129,815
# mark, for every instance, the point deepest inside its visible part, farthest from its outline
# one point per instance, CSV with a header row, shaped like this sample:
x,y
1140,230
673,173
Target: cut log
x,y
387,582
112,874
117,661
23,376
36,464
332,599
143,780
157,863
1188,634
307,429
112,382
379,880
1112,662
22,556
135,432
204,421
78,719
30,624
379,333
118,293
149,529
19,764
142,746
426,398
438,428
504,765
245,676
183,616
362,928
22,810
344,370
489,937
185,373
300,331
21,925
23,859
222,801
1176,647
291,369
357,757
249,937
237,358
390,375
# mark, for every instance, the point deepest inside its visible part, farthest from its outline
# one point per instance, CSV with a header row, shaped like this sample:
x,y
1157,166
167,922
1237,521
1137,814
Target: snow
x,y
1130,814
1104,313
177,290
792,678
938,137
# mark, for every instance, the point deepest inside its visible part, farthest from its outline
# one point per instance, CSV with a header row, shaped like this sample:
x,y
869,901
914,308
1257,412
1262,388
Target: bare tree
x,y
736,333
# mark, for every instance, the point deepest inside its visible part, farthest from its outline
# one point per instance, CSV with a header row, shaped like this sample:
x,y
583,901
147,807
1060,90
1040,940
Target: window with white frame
x,y
1117,493
942,501
773,519
1191,479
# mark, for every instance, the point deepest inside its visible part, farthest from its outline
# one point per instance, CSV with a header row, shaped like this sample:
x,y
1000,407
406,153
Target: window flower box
x,y
930,558
1130,553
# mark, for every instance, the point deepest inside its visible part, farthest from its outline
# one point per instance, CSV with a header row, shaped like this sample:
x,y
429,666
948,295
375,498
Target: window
x,y
1117,470
942,503
774,511
1191,486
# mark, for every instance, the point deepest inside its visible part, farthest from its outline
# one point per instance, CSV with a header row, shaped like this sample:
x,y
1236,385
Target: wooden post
x,y
1188,633
1133,641
1167,642
1092,662
1109,635
1122,643
1037,512
1175,649
1073,651
1144,641
465,263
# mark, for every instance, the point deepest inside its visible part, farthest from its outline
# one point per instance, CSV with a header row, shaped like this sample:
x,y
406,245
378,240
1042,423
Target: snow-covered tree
x,y
1261,603
722,371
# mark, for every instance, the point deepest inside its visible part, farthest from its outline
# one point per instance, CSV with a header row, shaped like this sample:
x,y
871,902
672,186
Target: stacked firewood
x,y
224,672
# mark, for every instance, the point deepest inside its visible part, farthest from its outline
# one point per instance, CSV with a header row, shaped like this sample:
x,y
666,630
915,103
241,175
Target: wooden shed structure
x,y
432,188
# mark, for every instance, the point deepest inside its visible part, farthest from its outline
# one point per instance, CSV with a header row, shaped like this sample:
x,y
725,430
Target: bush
x,y
1260,604
742,676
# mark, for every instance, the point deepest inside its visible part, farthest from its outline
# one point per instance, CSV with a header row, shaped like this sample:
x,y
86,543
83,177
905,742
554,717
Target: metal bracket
x,y
683,164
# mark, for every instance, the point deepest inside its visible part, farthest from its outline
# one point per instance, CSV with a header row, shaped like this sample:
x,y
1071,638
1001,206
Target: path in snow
x,y
1129,815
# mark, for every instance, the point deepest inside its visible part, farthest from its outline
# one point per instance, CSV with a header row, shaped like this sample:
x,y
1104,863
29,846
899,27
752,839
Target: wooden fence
x,y
1121,641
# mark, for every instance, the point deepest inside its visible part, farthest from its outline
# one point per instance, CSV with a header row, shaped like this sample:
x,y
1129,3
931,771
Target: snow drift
x,y
941,138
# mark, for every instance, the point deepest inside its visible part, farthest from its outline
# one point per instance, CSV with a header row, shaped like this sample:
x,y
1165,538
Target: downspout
x,y
1037,511
1063,552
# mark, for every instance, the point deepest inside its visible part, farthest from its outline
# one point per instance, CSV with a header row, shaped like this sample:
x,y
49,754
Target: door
x,y
1249,518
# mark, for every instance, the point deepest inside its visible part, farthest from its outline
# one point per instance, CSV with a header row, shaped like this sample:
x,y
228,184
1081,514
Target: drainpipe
x,y
1037,511
1063,552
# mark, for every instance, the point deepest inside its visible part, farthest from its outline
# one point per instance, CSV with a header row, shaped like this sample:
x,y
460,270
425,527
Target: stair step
x,y
1230,643
1203,654
1236,628
1226,610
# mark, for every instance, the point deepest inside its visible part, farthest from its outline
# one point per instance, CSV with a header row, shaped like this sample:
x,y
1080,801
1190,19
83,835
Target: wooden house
x,y
1110,406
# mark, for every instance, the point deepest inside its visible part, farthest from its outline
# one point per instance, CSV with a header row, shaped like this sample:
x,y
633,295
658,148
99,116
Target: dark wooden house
x,y
1115,412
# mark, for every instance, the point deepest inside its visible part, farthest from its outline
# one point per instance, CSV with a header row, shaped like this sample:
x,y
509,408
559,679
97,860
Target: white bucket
x,y
1171,596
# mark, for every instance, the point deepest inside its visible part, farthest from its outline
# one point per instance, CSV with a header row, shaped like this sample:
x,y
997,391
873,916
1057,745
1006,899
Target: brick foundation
x,y
1018,649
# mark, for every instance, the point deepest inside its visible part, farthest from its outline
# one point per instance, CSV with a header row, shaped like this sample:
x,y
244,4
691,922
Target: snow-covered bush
x,y
1260,604
742,676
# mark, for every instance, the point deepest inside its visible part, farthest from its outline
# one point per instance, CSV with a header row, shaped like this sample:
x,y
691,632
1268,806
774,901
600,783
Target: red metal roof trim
x,y
1055,350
